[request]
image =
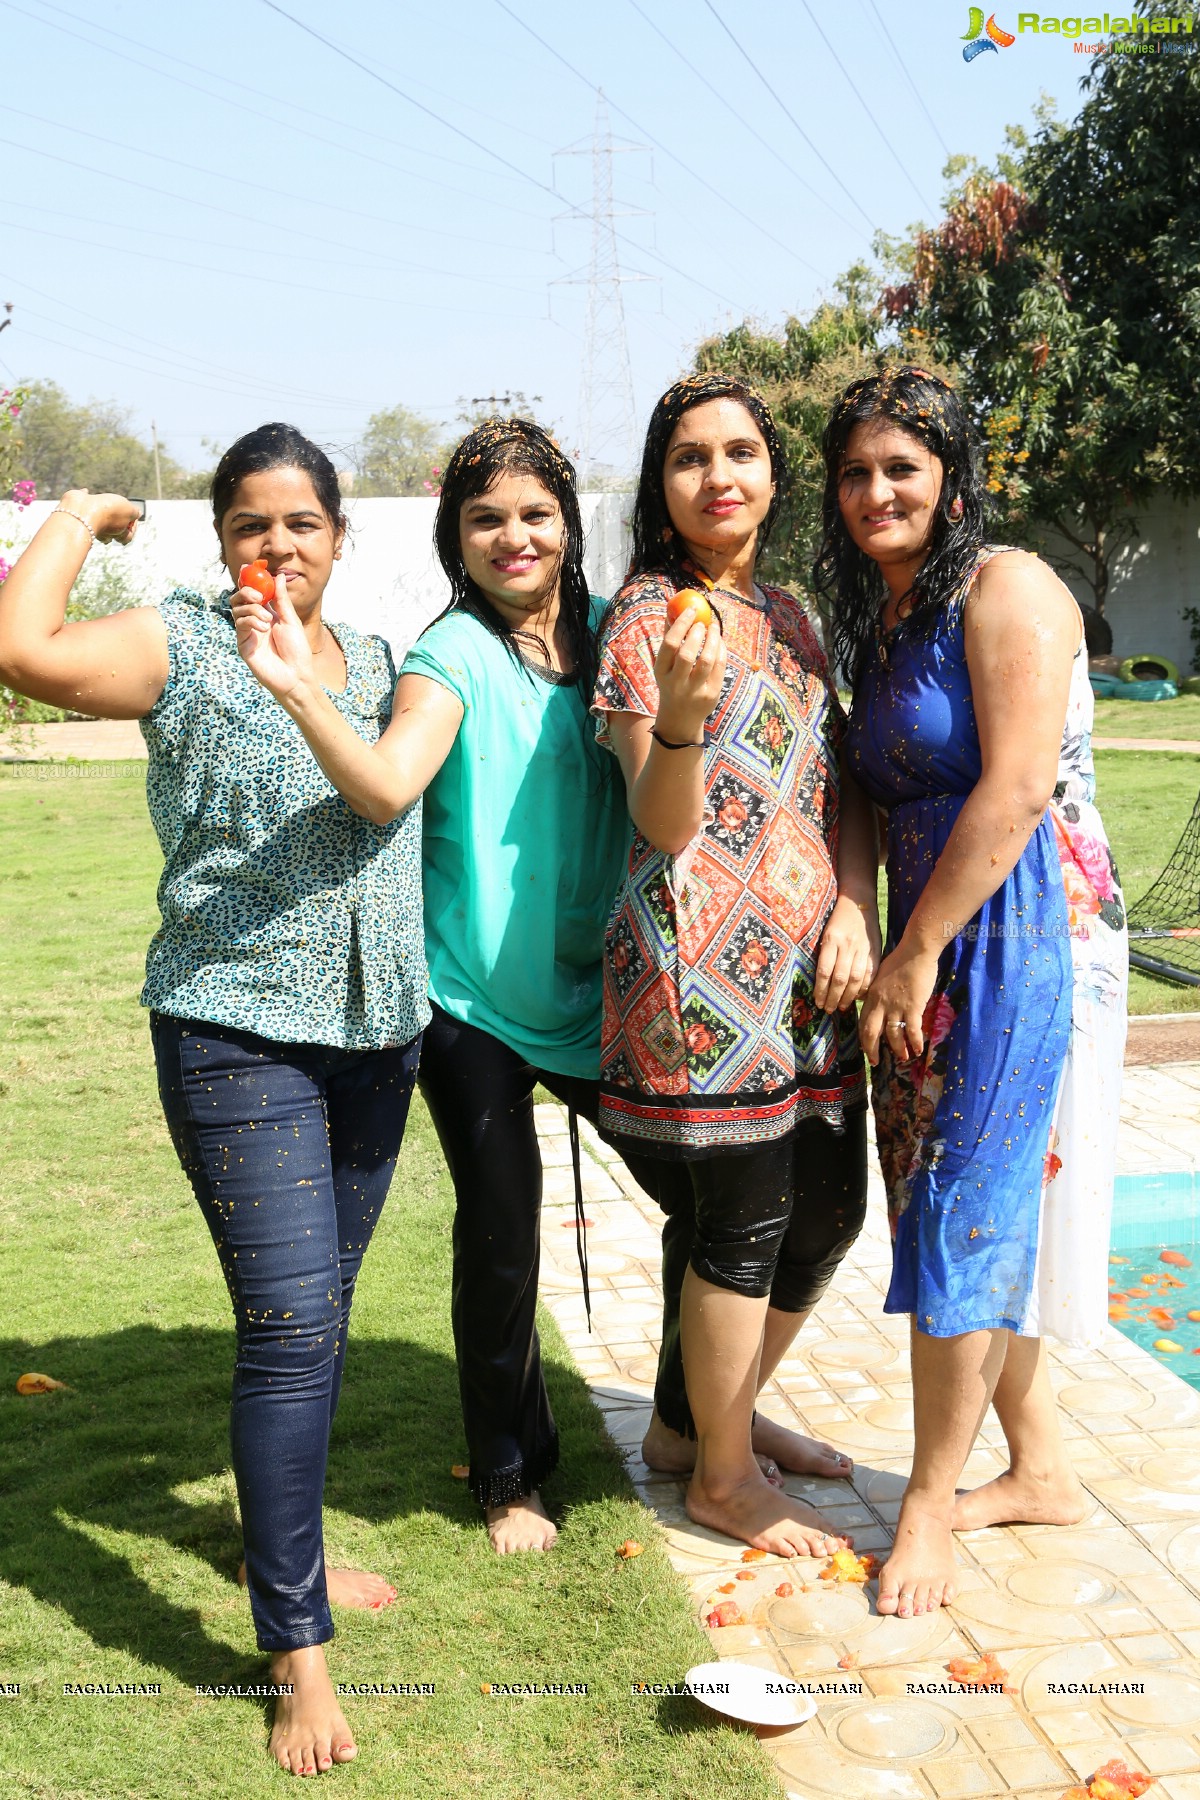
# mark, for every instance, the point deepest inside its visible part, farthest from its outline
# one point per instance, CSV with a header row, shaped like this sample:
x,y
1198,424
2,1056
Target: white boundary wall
x,y
388,579
1155,578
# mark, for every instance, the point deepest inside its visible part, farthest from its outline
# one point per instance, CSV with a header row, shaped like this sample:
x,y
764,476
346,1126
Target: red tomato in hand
x,y
256,575
694,597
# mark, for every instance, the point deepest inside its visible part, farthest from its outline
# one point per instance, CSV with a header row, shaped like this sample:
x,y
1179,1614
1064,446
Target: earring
x,y
956,509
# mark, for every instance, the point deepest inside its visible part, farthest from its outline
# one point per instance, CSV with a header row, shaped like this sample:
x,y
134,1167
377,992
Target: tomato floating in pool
x,y
257,575
679,603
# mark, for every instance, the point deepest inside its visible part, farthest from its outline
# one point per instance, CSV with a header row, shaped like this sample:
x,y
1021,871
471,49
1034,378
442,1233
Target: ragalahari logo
x,y
976,42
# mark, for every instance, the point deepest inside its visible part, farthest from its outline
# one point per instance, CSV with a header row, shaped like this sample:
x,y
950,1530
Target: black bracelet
x,y
668,745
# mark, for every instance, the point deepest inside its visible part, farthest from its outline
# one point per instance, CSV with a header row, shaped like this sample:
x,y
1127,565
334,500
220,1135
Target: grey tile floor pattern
x,y
1112,1603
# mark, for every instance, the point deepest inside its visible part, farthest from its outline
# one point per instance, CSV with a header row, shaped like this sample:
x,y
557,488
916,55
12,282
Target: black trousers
x,y
776,1220
807,1193
480,1096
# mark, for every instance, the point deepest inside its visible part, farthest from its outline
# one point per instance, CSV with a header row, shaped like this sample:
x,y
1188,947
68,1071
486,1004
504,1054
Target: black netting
x,y
1164,925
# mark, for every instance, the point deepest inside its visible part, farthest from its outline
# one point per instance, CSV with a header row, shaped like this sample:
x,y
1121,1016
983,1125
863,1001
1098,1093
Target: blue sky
x,y
214,218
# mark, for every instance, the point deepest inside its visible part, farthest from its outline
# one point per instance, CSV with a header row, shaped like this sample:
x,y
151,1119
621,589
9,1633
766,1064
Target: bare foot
x,y
1020,1499
356,1588
310,1732
757,1512
798,1454
521,1525
920,1575
775,1448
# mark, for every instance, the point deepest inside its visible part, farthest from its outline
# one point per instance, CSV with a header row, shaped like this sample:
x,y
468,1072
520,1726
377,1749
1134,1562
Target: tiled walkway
x,y
1114,1600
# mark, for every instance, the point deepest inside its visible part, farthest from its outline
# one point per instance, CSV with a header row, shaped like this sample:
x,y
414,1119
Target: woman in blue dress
x,y
995,1024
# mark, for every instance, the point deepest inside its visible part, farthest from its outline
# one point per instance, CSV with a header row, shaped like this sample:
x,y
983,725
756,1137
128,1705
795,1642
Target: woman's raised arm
x,y
377,781
114,668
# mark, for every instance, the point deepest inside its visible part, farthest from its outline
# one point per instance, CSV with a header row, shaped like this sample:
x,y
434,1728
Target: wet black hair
x,y
500,447
657,547
848,581
276,447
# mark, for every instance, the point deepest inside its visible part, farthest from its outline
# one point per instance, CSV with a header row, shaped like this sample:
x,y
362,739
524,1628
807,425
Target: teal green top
x,y
283,913
526,838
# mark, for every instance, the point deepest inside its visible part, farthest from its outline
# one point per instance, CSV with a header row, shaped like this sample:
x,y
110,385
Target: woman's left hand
x,y
848,955
895,1006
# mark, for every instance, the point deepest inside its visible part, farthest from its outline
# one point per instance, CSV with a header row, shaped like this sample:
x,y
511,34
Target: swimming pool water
x,y
1153,1213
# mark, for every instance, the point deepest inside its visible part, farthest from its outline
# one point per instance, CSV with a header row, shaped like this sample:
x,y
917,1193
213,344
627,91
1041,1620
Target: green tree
x,y
400,453
92,445
1065,284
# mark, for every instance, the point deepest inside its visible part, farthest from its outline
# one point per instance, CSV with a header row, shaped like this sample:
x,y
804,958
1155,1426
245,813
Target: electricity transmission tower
x,y
608,423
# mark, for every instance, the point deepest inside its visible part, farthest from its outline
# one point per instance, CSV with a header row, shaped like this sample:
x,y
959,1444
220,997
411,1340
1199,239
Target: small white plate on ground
x,y
741,1691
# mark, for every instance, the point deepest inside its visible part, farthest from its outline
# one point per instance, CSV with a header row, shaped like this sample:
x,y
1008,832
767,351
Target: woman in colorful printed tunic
x,y
997,1019
729,1078
525,839
287,987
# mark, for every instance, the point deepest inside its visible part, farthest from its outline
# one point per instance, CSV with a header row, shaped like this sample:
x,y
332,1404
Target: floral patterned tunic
x,y
711,1041
997,1144
283,913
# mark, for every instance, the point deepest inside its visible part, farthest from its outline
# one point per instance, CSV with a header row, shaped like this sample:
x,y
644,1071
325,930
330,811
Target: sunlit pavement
x,y
1113,1602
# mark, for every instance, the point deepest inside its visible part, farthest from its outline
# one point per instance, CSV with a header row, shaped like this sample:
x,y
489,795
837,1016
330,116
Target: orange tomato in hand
x,y
257,576
694,597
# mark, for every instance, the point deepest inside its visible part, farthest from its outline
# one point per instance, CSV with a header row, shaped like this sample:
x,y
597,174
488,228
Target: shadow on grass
x,y
147,1416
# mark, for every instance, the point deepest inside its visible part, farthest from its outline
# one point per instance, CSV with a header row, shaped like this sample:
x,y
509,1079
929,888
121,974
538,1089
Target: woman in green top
x,y
526,837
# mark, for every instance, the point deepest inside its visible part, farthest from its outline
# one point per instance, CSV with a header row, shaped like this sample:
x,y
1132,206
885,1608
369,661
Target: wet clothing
x,y
998,1143
283,912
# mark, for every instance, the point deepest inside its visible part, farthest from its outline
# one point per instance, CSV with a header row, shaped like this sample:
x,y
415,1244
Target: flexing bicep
x,y
1022,630
113,668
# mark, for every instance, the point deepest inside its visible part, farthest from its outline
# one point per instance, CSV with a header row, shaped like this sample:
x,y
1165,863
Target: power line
x,y
198,365
287,123
882,23
784,109
888,145
210,386
214,175
247,88
659,145
688,275
743,122
269,280
310,395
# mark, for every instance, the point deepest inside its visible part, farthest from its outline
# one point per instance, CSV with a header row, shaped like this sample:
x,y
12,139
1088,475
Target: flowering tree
x,y
1063,283
13,495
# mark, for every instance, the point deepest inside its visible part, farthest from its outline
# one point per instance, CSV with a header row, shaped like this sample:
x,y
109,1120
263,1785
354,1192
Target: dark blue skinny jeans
x,y
290,1150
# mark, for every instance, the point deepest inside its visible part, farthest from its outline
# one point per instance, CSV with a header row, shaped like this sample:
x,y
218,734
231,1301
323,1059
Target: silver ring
x,y
892,1022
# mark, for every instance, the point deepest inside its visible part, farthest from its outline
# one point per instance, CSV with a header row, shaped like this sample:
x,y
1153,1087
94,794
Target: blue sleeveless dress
x,y
997,1145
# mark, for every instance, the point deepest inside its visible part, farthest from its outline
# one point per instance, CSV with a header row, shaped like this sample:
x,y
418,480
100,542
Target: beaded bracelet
x,y
67,513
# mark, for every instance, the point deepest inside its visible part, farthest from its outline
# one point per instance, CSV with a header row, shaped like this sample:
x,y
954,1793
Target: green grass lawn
x,y
118,1532
1166,720
1145,799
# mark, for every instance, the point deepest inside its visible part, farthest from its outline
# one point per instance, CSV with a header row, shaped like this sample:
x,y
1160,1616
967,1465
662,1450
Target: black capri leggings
x,y
480,1096
775,1221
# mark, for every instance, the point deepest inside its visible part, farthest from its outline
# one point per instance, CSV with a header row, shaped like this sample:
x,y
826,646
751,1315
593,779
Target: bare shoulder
x,y
1016,588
